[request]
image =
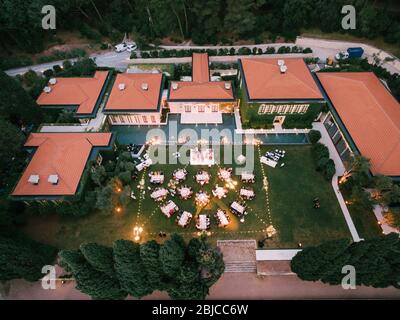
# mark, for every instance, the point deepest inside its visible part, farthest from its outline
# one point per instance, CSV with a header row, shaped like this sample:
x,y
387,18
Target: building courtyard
x,y
286,204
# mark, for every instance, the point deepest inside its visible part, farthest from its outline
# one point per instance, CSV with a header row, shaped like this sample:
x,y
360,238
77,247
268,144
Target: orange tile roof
x,y
200,88
264,80
201,91
134,97
63,154
82,92
370,114
200,69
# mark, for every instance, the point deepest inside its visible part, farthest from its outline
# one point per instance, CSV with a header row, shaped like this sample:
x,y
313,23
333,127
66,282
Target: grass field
x,y
287,206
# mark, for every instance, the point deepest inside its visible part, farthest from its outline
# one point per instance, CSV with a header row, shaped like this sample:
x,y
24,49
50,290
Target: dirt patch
x,y
273,268
238,250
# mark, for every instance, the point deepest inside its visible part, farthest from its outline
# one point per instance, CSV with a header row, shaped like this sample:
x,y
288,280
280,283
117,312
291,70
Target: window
x,y
145,119
153,119
201,108
214,108
188,108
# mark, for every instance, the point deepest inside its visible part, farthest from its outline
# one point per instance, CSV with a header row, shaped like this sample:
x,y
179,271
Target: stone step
x,y
240,266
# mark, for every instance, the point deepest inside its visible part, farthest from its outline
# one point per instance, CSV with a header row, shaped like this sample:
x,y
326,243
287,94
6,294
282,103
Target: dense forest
x,y
203,21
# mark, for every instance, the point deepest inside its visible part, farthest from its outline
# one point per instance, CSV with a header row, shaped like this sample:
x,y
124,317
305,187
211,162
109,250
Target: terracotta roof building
x,y
201,88
201,100
135,92
368,116
278,92
82,94
136,98
278,79
57,164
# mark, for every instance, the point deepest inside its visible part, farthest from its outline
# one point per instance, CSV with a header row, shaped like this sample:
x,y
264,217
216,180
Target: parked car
x,y
356,52
131,47
125,47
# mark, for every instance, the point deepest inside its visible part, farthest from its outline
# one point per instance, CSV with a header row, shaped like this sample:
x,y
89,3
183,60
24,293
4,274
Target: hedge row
x,y
323,163
172,53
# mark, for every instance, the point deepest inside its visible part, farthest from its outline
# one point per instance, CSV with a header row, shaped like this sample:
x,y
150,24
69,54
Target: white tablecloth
x,y
225,174
184,192
167,209
247,176
184,218
159,193
158,178
237,207
268,162
180,175
202,177
202,224
222,218
246,193
219,192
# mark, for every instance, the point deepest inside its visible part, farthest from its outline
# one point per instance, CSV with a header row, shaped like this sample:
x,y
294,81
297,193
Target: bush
x,y
307,50
319,151
270,50
10,63
314,136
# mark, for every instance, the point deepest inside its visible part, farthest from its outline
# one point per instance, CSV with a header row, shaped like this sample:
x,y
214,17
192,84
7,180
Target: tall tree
x,y
130,269
150,256
16,105
240,17
22,258
90,281
376,261
172,255
100,257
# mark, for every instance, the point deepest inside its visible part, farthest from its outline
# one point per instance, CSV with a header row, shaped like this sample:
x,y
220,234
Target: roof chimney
x,y
145,86
281,62
174,86
53,81
53,179
34,179
227,85
47,89
121,86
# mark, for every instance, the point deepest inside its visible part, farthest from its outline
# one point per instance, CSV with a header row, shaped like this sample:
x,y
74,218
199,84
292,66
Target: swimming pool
x,y
174,132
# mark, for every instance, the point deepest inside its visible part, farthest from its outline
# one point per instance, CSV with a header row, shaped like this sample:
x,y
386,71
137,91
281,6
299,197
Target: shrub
x,y
314,136
270,50
307,50
319,151
329,170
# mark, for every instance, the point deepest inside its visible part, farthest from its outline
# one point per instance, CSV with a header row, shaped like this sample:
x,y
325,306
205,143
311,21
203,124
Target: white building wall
x,y
135,118
199,107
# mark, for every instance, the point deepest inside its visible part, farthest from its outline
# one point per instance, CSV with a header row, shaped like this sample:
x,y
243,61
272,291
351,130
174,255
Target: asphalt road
x,y
321,49
108,59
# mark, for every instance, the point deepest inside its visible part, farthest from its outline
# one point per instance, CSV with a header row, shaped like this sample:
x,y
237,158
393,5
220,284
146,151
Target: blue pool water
x,y
175,131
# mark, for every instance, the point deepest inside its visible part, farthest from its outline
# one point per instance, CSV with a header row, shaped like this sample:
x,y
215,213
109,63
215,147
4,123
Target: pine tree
x,y
100,257
172,255
150,256
130,269
22,258
94,283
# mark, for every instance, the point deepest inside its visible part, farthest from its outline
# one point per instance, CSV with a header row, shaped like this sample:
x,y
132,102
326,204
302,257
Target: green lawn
x,y
287,205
